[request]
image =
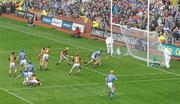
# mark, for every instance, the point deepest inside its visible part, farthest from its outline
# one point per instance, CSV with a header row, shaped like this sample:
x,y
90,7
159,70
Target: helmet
x,y
111,71
22,50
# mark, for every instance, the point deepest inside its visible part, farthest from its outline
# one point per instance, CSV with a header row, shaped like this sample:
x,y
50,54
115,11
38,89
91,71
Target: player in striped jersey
x,y
12,64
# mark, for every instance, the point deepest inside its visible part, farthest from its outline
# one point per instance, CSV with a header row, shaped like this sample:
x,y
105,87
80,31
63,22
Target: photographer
x,y
30,22
77,33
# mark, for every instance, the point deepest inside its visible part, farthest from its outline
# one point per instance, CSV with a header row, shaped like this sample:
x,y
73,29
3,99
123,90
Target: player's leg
x,y
40,63
14,69
97,62
78,69
70,72
108,49
90,61
112,52
111,90
61,58
166,62
46,64
10,70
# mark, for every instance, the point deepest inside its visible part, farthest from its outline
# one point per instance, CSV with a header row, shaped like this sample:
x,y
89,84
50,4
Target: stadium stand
x,y
164,14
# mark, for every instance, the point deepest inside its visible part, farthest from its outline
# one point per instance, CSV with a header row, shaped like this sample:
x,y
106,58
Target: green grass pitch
x,y
137,84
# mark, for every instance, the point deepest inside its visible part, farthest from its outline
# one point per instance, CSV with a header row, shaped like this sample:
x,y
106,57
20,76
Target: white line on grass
x,y
25,100
79,47
121,75
91,84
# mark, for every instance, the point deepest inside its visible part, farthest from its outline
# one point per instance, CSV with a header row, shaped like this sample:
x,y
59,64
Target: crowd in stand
x,y
164,14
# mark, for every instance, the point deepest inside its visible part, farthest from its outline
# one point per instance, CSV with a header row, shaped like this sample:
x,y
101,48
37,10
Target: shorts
x,y
45,57
110,86
34,81
23,62
76,65
12,65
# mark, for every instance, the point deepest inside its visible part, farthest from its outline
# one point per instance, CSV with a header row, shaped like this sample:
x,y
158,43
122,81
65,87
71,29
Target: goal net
x,y
136,43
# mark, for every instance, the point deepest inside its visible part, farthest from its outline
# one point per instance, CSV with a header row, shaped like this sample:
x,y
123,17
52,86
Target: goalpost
x,y
136,41
141,44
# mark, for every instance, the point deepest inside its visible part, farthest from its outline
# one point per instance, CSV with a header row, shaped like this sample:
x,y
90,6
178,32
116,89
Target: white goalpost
x,y
141,44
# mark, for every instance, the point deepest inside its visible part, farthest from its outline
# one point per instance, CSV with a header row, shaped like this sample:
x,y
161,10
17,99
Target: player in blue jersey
x,y
109,80
26,75
22,58
30,67
96,58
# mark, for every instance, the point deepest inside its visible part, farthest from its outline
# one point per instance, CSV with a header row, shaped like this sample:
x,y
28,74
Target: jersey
x,y
29,68
46,51
65,52
111,78
12,58
22,56
25,74
41,53
96,55
77,59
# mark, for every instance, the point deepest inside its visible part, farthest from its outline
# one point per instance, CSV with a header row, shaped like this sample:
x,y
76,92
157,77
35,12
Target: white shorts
x,y
26,81
34,81
45,57
12,65
23,62
76,65
93,57
110,86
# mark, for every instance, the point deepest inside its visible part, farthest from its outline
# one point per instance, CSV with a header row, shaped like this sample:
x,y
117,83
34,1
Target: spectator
x,y
77,33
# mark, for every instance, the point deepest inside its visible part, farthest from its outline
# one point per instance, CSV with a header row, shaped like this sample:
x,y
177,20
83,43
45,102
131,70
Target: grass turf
x,y
137,84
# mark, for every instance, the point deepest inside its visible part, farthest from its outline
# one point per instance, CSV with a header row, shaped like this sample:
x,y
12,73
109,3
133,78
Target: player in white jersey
x,y
109,80
46,57
12,64
167,55
109,42
76,64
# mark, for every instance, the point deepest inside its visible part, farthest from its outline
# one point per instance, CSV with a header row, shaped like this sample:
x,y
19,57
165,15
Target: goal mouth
x,y
136,41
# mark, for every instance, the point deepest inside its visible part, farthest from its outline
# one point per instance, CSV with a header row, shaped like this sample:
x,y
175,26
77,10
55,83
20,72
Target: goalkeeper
x,y
109,43
167,55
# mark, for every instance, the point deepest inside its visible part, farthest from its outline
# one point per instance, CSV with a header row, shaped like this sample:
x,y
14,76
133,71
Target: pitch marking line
x,y
17,96
78,47
91,84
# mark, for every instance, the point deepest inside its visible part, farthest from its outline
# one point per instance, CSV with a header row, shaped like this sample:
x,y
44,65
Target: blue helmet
x,y
22,50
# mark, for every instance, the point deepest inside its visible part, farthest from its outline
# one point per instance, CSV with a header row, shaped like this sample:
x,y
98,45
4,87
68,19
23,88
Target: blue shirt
x,y
29,67
22,56
24,74
96,54
111,78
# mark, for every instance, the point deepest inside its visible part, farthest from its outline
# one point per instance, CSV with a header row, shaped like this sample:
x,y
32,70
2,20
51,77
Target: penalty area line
x,y
92,84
